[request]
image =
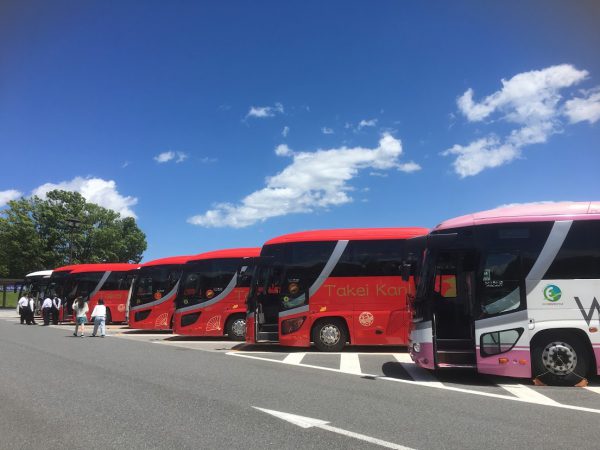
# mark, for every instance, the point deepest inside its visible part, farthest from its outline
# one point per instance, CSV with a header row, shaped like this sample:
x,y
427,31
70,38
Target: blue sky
x,y
274,117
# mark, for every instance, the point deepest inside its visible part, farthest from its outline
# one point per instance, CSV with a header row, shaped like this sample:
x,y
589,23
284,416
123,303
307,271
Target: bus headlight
x,y
291,325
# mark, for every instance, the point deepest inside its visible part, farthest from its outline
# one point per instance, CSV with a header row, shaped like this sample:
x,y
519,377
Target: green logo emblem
x,y
552,293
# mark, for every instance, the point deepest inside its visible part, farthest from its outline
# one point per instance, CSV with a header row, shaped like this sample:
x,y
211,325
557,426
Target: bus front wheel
x,y
330,335
236,328
560,359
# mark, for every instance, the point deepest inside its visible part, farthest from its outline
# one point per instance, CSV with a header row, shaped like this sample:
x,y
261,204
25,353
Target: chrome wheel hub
x,y
330,335
559,358
239,327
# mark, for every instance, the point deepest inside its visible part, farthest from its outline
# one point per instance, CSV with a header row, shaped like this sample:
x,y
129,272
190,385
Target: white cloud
x,y
409,167
285,131
9,195
366,123
125,164
164,157
208,160
313,181
94,190
482,154
525,98
326,130
584,108
543,202
283,150
169,156
530,100
265,111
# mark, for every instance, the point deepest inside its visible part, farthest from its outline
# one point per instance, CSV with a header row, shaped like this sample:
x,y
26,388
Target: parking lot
x,y
391,364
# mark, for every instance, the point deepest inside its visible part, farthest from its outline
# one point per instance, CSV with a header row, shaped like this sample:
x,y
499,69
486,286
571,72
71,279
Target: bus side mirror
x,y
406,270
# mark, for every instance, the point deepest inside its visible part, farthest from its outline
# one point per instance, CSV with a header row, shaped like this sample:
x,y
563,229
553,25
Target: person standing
x,y
46,310
56,304
99,317
30,308
23,305
80,308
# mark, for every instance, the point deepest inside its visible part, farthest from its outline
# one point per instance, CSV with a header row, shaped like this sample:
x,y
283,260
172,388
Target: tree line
x,y
63,228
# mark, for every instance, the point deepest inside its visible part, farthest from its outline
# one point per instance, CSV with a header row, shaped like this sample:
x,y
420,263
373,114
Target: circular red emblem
x,y
366,319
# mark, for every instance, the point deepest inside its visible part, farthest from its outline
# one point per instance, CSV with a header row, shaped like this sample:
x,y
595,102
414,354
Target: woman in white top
x,y
99,318
80,308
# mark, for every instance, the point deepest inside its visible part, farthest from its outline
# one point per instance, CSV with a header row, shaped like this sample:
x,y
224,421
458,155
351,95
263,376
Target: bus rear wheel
x,y
330,335
560,359
236,328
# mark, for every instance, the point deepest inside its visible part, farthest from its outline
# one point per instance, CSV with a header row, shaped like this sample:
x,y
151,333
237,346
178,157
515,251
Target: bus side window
x,y
500,281
579,256
445,286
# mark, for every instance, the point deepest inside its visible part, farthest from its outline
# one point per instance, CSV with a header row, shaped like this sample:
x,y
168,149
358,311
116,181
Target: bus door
x,y
267,302
501,324
453,297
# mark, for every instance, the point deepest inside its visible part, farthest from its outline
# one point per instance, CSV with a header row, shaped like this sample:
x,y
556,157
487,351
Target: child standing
x,y
99,316
80,308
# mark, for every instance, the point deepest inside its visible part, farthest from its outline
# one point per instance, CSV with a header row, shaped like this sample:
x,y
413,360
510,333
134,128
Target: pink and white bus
x,y
512,291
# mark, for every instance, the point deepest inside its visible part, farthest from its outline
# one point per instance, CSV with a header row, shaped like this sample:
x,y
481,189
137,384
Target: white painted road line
x,y
528,394
294,358
416,372
349,363
425,384
593,389
309,422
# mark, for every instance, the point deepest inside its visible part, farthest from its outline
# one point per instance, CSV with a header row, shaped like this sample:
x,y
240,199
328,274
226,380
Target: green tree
x,y
40,233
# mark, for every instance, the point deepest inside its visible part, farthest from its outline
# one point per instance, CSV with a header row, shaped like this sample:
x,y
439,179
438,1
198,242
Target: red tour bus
x,y
110,282
212,297
331,287
152,300
61,284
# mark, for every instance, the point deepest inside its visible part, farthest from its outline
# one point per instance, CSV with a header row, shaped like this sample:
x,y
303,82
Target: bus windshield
x,y
85,283
61,284
153,283
287,271
204,280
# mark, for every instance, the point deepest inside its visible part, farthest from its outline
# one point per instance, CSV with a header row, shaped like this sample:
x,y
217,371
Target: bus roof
x,y
527,212
67,268
168,261
248,252
352,234
104,267
39,273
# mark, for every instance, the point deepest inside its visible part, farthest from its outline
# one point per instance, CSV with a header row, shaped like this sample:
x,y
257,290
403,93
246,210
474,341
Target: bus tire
x,y
330,334
108,318
236,328
560,359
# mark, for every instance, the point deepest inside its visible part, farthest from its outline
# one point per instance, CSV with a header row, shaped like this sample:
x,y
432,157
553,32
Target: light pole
x,y
73,224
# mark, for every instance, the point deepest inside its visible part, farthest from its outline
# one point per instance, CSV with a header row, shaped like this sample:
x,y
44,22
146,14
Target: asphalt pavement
x,y
152,390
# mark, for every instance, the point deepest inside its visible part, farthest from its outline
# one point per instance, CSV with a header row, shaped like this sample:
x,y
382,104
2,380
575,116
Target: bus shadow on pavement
x,y
180,338
143,332
457,377
276,348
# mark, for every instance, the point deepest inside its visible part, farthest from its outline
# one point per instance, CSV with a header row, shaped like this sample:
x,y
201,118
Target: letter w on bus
x,y
587,315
